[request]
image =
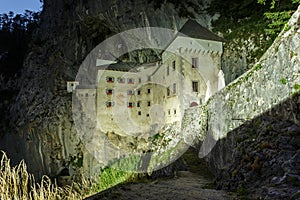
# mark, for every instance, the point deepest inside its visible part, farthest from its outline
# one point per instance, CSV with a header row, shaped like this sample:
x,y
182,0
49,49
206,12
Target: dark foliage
x,y
180,6
15,34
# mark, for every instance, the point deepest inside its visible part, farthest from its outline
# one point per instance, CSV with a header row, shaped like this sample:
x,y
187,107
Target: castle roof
x,y
120,66
194,30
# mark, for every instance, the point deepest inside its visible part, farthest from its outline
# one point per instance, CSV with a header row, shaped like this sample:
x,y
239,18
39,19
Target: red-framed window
x,y
130,104
121,80
109,91
110,104
130,92
130,81
110,79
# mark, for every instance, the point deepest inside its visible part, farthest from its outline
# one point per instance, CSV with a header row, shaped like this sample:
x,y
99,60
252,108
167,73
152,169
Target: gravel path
x,y
189,185
185,185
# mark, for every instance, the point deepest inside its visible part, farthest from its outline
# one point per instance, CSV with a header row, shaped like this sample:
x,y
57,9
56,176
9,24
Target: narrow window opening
x,y
174,88
195,86
194,62
174,65
168,71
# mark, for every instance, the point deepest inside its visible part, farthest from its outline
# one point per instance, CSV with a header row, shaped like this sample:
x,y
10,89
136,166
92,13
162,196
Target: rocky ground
x,y
194,183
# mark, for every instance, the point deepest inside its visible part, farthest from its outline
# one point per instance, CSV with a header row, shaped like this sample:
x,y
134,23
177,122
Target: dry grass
x,y
17,184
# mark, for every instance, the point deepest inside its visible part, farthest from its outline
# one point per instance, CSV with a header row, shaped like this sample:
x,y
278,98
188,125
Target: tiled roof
x,y
194,30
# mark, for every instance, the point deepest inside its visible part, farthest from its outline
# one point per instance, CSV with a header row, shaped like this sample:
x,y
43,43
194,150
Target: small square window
x,y
130,81
138,104
149,103
130,92
139,113
140,80
130,104
110,79
148,91
174,111
109,91
139,92
121,80
109,104
147,115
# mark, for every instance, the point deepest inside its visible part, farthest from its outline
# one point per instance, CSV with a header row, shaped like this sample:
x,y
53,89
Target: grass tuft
x,y
16,183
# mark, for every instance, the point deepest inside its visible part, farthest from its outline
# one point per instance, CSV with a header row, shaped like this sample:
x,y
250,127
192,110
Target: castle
x,y
135,100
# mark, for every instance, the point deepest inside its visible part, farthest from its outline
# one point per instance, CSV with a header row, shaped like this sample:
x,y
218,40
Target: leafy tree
x,y
278,14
